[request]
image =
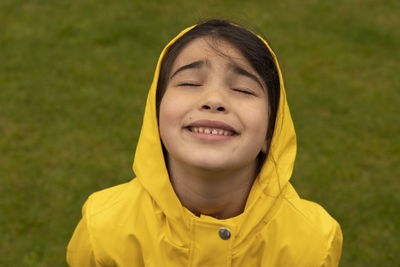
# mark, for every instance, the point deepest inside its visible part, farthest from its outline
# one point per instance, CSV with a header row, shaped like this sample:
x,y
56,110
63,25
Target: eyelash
x,y
247,92
189,84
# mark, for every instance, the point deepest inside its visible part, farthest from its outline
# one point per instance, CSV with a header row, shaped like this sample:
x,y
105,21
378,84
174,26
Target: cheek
x,y
255,117
165,125
169,109
166,119
172,111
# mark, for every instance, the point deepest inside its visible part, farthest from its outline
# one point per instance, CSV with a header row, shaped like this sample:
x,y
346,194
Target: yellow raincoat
x,y
142,222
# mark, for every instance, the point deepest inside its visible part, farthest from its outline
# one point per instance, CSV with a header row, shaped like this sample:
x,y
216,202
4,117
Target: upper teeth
x,y
211,131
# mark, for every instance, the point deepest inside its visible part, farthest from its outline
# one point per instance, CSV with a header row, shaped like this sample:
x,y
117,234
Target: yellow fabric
x,y
142,223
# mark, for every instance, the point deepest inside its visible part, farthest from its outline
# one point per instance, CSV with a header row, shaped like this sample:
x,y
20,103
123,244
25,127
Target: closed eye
x,y
189,84
243,91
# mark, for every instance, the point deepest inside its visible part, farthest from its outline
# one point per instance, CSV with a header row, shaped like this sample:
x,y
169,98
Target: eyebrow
x,y
236,69
194,65
240,71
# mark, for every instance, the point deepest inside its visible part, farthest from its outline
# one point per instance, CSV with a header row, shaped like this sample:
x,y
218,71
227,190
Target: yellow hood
x,y
149,165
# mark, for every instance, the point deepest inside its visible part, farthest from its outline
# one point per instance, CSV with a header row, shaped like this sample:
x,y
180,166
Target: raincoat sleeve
x,y
335,251
80,250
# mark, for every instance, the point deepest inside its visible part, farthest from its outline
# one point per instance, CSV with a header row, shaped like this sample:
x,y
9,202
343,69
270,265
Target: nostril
x,y
213,108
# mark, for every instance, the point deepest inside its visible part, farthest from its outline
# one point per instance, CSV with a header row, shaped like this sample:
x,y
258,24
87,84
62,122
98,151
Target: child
x,y
213,164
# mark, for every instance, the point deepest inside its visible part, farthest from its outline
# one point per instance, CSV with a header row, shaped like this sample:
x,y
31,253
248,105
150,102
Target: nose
x,y
213,101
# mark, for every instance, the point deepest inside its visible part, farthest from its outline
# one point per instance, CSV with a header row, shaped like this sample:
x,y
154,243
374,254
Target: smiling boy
x,y
213,164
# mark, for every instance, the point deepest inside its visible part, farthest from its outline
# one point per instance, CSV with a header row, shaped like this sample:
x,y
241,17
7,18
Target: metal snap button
x,y
224,233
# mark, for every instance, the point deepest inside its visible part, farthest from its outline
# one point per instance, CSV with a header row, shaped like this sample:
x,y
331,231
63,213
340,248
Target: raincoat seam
x,y
88,218
116,199
335,236
305,217
191,245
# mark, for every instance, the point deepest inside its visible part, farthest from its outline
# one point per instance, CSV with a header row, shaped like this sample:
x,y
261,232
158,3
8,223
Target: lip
x,y
212,124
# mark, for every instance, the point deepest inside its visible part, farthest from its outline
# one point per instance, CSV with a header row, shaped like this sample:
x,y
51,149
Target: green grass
x,y
73,81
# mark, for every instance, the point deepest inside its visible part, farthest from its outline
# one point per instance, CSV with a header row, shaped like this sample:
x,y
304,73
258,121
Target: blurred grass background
x,y
73,81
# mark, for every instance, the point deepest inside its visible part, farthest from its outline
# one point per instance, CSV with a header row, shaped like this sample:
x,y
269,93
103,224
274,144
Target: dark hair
x,y
251,47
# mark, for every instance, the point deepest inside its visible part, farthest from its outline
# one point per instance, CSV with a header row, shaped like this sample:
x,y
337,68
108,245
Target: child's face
x,y
214,113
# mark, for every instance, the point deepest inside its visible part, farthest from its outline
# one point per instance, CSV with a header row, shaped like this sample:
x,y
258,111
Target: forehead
x,y
207,48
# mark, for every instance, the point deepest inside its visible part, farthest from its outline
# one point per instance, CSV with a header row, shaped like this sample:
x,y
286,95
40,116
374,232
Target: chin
x,y
207,165
213,164
213,167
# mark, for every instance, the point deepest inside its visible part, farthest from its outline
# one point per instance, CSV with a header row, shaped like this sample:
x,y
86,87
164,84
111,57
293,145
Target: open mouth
x,y
211,128
212,131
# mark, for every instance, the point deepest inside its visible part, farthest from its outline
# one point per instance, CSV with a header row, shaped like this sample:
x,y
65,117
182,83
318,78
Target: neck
x,y
217,193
